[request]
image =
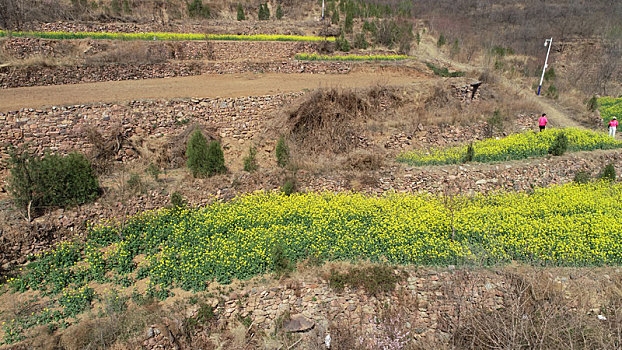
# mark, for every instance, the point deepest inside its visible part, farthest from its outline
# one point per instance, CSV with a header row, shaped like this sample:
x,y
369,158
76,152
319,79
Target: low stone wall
x,y
429,306
61,128
11,77
22,48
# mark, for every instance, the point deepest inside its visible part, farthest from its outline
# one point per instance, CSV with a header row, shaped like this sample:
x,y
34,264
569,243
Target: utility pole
x,y
549,43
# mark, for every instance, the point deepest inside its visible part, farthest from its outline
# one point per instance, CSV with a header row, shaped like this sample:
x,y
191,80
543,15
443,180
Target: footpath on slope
x,y
202,86
556,117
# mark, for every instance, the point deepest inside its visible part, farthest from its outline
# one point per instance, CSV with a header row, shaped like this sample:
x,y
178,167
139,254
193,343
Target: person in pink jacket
x,y
542,122
613,124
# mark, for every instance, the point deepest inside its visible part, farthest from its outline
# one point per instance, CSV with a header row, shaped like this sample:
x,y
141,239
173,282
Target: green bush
x,y
375,280
494,122
390,33
264,12
153,170
342,44
455,48
441,40
360,42
115,6
370,27
282,152
334,18
126,7
418,38
549,74
241,15
177,200
290,186
281,265
608,173
469,155
250,161
552,92
51,180
559,145
592,104
349,23
135,184
196,152
197,9
279,12
582,177
215,159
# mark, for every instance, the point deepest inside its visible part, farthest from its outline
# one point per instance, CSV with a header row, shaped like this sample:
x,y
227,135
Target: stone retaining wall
x,y
11,77
22,48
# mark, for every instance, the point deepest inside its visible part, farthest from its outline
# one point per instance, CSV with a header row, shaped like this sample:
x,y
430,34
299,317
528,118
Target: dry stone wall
x,y
61,128
22,48
11,77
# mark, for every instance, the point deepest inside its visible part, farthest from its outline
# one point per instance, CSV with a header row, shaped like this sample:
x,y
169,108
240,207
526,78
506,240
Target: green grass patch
x,y
444,72
517,146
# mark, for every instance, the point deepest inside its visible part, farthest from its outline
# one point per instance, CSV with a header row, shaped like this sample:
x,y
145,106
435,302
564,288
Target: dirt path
x,y
209,85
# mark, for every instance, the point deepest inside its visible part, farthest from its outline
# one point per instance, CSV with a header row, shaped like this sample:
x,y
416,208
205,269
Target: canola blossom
x,y
568,225
564,225
516,146
610,107
318,57
163,36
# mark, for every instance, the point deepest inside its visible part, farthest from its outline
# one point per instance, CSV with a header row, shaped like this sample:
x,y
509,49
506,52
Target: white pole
x,y
322,10
546,60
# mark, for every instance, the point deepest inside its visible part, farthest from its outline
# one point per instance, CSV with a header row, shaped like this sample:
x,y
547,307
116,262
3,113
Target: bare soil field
x,y
208,85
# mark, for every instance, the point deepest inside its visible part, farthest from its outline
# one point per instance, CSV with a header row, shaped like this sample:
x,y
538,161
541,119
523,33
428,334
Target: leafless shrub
x,y
364,160
105,148
326,121
536,315
131,53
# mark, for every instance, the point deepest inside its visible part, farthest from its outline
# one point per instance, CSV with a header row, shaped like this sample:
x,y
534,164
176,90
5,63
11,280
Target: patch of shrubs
x,y
250,161
469,155
360,42
51,180
559,145
203,159
264,12
375,280
197,9
444,72
240,14
290,186
282,152
342,43
608,173
582,177
177,200
281,265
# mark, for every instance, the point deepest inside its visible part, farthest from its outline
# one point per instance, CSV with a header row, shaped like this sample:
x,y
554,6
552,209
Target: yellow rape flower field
x,y
569,225
517,146
610,107
318,57
163,36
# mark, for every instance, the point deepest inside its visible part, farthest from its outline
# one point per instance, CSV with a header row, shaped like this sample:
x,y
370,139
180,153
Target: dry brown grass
x,y
135,52
105,147
537,313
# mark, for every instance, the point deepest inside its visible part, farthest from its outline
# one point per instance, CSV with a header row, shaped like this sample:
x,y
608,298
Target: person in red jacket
x,y
542,122
613,124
